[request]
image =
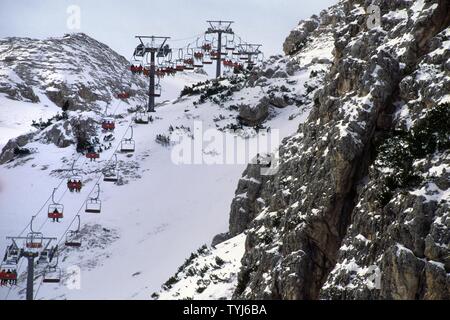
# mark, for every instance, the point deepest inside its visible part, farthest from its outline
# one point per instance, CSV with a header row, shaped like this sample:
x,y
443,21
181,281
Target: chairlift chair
x,y
43,256
198,58
214,55
171,68
108,124
93,203
123,95
52,274
8,272
128,144
230,45
207,58
157,91
142,117
92,155
206,46
12,254
34,240
198,55
111,174
188,59
73,237
55,210
179,65
139,51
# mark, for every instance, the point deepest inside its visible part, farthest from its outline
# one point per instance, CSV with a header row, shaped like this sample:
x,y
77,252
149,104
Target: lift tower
x,y
35,243
219,27
249,50
157,47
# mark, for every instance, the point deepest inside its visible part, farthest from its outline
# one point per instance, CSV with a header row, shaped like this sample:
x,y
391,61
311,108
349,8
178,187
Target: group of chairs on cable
x,y
74,185
159,72
138,69
8,277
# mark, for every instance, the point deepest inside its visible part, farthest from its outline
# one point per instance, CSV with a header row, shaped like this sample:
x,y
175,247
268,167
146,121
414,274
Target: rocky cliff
x,y
359,206
74,67
349,215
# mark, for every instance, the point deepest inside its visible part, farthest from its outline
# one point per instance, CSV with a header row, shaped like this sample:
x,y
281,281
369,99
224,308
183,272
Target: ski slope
x,y
150,223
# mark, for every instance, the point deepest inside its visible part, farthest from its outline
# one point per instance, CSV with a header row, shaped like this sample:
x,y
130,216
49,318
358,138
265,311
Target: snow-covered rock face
x,y
75,68
321,194
359,207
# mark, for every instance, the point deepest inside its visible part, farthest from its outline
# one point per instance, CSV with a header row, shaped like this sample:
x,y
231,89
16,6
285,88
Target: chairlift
x,y
139,51
34,240
92,155
44,256
8,273
52,273
93,204
111,174
164,51
55,210
74,176
157,91
123,95
206,45
260,57
128,144
74,181
198,58
170,68
108,124
189,59
198,55
73,237
215,55
142,117
12,254
207,58
179,65
230,45
160,73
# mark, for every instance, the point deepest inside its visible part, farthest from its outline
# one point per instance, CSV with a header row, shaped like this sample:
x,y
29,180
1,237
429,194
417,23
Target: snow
x,y
16,116
431,192
230,252
163,212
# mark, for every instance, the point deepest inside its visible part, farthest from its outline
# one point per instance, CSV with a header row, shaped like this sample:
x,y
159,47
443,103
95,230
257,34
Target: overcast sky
x,y
116,22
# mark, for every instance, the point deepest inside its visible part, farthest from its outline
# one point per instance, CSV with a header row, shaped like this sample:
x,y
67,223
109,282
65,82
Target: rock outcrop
x,y
325,227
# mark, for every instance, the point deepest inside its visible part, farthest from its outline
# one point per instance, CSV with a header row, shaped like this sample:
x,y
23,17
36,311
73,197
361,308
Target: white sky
x,y
116,22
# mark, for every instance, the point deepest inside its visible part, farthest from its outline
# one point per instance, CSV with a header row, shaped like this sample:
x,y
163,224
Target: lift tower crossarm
x,y
31,254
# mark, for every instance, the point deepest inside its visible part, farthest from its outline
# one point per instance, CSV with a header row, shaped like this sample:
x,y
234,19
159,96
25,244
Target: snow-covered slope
x,y
359,205
280,80
158,212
